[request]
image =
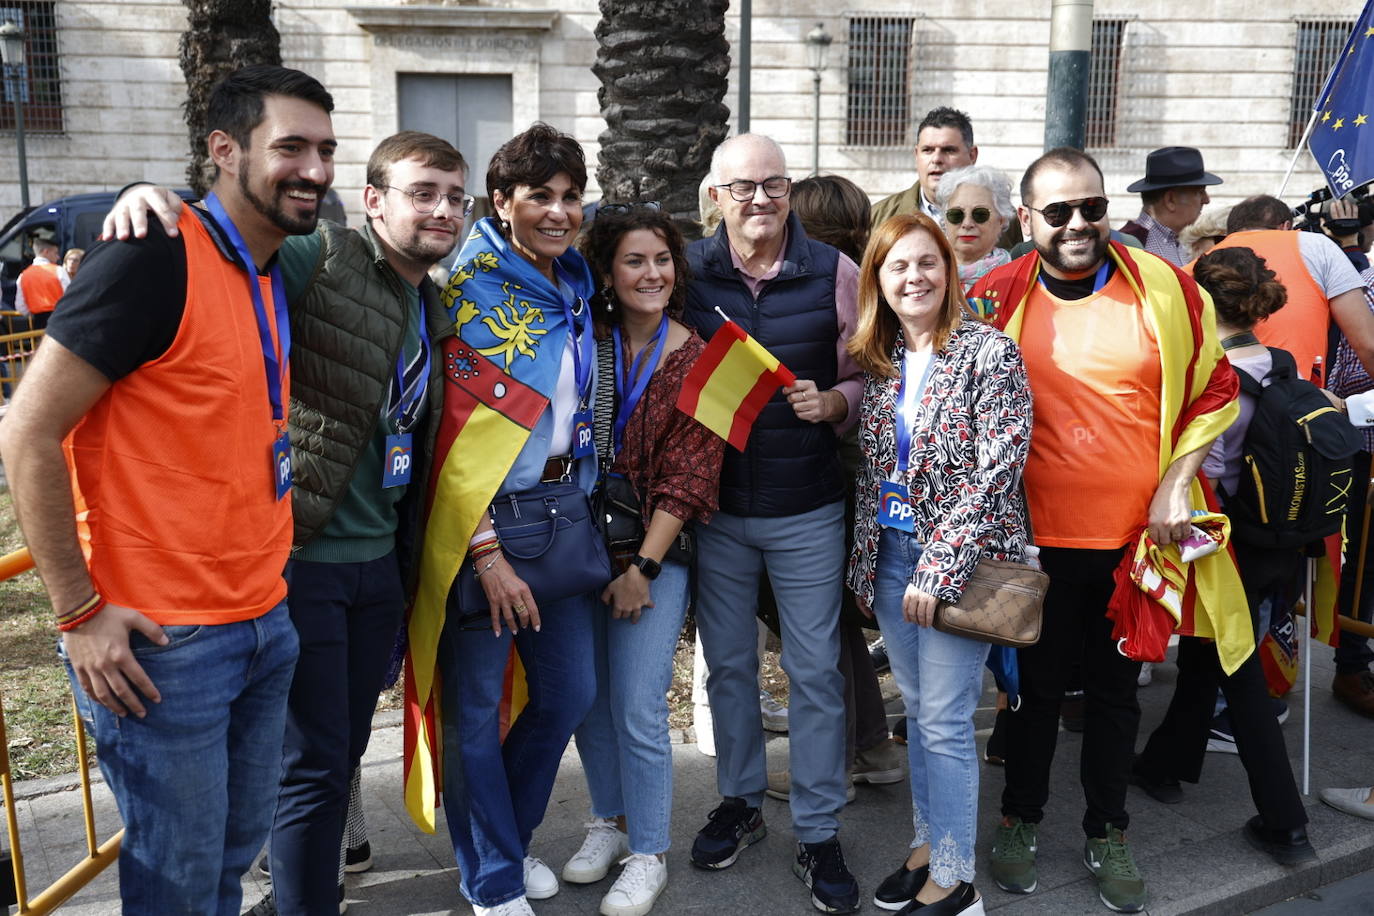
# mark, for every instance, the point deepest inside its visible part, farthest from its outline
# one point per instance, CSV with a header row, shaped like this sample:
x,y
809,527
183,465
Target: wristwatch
x,y
650,568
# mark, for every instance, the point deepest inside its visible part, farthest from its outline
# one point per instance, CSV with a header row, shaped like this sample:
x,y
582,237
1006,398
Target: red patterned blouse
x,y
672,460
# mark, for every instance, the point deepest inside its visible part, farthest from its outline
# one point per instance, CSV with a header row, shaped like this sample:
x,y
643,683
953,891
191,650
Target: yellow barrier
x,y
17,347
98,855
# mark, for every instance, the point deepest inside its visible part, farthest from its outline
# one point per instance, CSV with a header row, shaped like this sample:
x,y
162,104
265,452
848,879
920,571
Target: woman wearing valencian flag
x,y
520,376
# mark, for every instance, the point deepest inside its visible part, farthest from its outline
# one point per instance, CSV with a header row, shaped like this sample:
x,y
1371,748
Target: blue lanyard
x,y
1099,281
272,363
408,409
584,347
638,379
904,430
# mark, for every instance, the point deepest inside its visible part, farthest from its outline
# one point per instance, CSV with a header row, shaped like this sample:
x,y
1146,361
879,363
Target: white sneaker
x,y
604,845
517,907
540,884
774,713
704,726
638,886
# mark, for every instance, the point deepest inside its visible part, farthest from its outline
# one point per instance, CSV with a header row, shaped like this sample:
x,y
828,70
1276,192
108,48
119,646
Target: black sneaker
x,y
821,866
1221,739
900,888
732,826
962,899
267,906
358,858
877,653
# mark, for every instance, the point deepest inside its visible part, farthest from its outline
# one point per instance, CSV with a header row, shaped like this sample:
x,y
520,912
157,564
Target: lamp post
x,y
12,56
817,49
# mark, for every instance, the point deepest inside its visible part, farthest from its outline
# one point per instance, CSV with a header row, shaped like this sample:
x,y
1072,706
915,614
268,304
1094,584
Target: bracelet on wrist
x,y
482,550
482,537
81,613
477,572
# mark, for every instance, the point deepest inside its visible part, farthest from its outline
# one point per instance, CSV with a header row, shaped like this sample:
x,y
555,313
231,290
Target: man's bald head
x,y
750,158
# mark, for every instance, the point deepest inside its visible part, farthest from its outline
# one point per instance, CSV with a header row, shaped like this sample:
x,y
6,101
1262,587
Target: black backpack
x,y
1296,474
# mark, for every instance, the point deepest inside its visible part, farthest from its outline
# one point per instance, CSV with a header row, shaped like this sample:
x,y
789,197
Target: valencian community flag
x,y
731,381
1342,139
499,373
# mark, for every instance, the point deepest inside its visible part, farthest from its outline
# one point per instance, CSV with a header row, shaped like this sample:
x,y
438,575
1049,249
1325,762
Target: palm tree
x,y
664,67
221,36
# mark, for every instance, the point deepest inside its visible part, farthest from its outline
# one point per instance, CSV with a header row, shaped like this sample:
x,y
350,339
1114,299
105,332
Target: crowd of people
x,y
238,387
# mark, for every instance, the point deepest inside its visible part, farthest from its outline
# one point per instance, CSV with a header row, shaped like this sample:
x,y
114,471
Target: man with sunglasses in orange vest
x,y
1130,390
148,457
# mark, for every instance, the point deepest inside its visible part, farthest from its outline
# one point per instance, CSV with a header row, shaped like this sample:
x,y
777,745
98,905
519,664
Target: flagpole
x,y
721,313
1302,144
1307,679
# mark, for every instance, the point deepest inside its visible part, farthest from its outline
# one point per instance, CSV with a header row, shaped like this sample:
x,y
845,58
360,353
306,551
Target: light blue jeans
x,y
623,742
804,557
196,778
940,677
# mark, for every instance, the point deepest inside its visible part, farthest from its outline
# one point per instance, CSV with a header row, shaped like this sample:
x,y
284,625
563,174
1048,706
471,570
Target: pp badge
x,y
582,434
397,461
281,464
894,507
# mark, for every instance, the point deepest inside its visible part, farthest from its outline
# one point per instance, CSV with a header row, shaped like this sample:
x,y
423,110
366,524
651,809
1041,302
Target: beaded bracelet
x,y
81,613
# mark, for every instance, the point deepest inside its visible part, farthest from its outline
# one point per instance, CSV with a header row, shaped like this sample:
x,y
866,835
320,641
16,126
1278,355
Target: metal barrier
x,y
17,346
98,855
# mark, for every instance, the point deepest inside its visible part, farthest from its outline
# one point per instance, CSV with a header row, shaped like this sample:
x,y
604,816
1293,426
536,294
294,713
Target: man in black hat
x,y
1172,194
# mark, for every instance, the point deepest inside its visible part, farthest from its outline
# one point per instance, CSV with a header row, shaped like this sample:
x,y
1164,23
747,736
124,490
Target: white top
x,y
914,366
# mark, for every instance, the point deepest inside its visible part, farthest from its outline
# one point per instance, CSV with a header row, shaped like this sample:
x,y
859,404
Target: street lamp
x,y
12,57
817,49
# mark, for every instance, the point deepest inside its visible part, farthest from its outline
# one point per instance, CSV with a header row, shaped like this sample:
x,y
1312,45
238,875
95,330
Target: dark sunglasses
x,y
955,215
611,209
1059,213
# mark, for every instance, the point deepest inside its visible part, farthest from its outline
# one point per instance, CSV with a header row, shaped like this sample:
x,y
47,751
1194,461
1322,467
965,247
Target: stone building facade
x,y
1219,76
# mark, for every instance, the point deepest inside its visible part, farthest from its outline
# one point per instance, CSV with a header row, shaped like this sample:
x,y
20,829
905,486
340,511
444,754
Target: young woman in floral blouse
x,y
673,462
945,428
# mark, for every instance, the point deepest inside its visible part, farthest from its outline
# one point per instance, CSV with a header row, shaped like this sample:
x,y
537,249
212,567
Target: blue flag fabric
x,y
1342,139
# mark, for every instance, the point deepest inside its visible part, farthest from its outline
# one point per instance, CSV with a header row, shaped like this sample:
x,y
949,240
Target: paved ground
x,y
1192,854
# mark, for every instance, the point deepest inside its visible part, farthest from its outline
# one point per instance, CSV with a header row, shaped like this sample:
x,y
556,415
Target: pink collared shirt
x,y
849,375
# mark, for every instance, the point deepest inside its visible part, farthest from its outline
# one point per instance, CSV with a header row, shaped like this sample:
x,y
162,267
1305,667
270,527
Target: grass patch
x,y
33,684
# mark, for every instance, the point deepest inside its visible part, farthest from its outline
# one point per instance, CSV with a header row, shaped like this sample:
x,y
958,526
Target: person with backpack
x,y
1250,466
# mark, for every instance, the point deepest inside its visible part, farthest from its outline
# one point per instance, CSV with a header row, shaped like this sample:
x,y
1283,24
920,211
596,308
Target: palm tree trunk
x,y
221,36
664,67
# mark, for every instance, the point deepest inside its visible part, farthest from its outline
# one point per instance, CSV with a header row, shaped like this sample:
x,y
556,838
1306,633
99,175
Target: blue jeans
x,y
940,677
804,557
346,615
194,779
495,792
623,743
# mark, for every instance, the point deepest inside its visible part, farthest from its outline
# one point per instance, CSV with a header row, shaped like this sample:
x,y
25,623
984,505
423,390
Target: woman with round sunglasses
x,y
673,464
945,430
976,202
519,297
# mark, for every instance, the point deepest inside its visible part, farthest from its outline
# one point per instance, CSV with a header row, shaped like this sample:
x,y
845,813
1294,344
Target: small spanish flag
x,y
731,381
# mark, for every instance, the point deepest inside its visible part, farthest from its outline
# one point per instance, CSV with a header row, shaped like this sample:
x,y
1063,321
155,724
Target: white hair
x,y
749,139
981,176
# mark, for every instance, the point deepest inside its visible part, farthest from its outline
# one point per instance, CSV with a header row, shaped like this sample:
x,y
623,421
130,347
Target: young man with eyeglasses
x,y
1130,390
366,324
781,508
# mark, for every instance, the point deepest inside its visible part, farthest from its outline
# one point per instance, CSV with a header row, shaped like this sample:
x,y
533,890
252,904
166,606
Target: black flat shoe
x,y
1286,847
1165,790
900,888
962,901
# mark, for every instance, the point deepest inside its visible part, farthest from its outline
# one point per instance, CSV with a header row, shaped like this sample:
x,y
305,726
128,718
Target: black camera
x,y
1310,215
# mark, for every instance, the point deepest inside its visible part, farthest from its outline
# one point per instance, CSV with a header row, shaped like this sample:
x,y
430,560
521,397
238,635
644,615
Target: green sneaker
x,y
1013,856
1118,880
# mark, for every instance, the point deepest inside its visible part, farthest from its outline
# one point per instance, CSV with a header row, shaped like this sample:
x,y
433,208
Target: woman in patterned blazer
x,y
945,428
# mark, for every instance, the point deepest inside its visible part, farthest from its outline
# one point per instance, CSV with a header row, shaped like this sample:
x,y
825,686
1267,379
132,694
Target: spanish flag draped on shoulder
x,y
730,382
500,371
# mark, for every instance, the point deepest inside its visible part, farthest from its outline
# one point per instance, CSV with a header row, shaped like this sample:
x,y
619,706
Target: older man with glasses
x,y
1130,390
781,510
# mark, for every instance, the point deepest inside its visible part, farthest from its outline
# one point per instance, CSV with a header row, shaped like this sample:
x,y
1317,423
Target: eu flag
x,y
1343,139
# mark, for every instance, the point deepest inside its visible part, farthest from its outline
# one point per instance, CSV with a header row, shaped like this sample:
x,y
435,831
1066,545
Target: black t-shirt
x,y
1071,290
124,306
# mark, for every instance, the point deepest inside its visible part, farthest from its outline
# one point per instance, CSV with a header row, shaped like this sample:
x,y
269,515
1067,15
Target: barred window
x,y
1104,78
879,103
38,82
1318,43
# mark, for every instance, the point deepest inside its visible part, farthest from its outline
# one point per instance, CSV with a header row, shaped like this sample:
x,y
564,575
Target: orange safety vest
x,y
41,287
1301,326
172,468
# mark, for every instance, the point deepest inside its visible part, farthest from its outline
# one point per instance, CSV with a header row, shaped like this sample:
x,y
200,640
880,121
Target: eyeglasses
x,y
955,215
613,209
743,191
426,200
1059,213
